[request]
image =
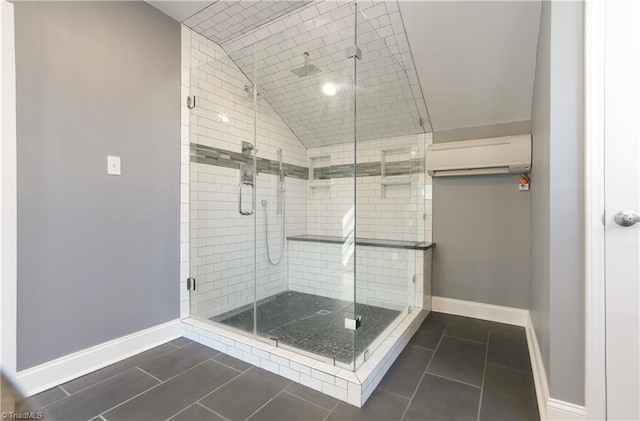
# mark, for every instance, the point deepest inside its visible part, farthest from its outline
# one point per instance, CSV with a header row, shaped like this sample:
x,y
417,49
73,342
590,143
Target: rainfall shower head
x,y
249,90
307,69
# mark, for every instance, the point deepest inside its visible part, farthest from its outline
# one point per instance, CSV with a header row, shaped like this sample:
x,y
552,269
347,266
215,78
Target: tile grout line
x,y
267,402
484,373
228,366
210,410
151,388
179,412
111,377
149,374
466,339
455,380
304,400
511,369
332,411
392,393
220,387
424,373
56,401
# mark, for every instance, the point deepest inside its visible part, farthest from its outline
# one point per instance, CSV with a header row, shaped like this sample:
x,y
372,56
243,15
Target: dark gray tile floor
x,y
454,368
312,323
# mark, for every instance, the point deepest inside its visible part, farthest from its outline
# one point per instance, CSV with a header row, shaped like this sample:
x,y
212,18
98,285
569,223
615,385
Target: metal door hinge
x,y
353,51
191,284
414,279
353,324
191,102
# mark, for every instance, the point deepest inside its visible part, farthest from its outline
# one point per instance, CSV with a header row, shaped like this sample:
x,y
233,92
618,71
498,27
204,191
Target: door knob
x,y
626,218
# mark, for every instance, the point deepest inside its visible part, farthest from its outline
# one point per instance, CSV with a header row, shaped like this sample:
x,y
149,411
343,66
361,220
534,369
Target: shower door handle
x,y
253,198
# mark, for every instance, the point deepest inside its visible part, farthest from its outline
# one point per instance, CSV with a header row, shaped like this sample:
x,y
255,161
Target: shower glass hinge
x,y
353,51
191,102
352,324
191,284
414,279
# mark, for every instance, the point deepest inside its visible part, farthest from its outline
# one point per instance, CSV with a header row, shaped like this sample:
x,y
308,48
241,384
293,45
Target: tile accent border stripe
x,y
230,159
61,370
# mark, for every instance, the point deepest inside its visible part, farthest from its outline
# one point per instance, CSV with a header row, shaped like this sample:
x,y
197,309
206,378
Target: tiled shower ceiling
x,y
225,20
389,98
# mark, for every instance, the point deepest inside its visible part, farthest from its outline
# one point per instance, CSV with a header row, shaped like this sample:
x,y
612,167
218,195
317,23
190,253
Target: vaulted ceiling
x,y
476,59
470,63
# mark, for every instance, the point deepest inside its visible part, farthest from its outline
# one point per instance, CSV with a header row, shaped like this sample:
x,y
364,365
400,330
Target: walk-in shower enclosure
x,y
308,229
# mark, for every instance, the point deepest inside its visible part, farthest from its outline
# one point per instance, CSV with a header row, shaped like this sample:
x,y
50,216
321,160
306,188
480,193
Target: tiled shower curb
x,y
345,385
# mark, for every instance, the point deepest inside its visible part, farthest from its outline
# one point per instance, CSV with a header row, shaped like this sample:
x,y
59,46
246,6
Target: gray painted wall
x,y
540,188
557,212
98,255
481,231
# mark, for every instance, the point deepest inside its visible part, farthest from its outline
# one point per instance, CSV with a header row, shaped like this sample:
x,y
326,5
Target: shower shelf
x,y
371,242
316,163
394,180
317,184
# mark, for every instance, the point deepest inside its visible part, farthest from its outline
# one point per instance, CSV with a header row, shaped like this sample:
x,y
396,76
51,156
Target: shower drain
x,y
323,312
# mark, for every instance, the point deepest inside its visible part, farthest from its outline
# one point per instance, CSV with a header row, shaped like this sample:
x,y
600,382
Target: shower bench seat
x,y
372,242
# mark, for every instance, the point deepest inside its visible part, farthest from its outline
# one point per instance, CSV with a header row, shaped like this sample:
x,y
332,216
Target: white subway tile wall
x,y
222,240
384,275
402,213
217,243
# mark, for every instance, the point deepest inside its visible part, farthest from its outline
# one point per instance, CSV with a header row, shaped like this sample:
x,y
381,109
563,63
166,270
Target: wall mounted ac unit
x,y
497,155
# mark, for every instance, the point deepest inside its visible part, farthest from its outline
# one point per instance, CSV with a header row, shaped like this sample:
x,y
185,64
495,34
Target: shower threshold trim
x,y
353,387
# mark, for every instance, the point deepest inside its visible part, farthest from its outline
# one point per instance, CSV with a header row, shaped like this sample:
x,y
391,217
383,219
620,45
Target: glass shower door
x,y
390,143
222,194
305,216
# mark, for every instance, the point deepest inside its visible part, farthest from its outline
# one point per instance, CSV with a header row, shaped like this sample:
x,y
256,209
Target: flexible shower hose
x,y
266,227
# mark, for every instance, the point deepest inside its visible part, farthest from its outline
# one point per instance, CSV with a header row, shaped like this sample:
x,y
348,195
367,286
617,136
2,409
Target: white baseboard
x,y
537,367
69,367
550,409
494,313
559,410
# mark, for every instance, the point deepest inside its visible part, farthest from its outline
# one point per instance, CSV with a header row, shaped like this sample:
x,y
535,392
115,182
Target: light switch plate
x,y
113,165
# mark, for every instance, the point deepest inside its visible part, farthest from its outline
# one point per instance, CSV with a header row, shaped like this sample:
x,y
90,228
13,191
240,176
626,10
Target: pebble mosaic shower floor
x,y
312,323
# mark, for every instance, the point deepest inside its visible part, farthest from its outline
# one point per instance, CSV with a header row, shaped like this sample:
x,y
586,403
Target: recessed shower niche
x,y
302,263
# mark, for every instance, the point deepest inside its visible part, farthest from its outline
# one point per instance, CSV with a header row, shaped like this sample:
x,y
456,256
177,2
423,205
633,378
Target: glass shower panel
x,y
390,144
305,185
222,191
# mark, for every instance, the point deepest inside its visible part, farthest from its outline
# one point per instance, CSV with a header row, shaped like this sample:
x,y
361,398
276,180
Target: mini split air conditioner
x,y
498,155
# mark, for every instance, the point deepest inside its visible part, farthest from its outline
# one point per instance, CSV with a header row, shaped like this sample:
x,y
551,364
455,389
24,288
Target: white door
x,y
622,193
